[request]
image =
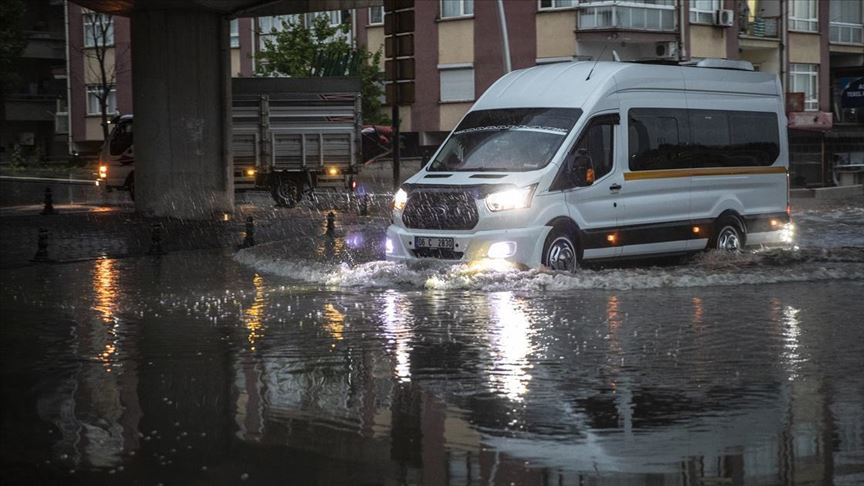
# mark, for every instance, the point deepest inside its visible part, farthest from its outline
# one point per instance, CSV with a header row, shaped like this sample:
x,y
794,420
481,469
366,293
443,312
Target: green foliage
x,y
12,41
323,50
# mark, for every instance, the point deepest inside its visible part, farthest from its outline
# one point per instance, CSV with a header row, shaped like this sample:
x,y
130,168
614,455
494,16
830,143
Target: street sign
x,y
400,22
405,95
404,69
403,44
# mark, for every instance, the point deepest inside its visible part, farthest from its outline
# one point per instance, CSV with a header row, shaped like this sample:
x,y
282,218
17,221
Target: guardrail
x,y
80,182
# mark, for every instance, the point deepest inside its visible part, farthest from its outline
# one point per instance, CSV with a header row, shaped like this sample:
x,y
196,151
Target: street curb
x,y
841,192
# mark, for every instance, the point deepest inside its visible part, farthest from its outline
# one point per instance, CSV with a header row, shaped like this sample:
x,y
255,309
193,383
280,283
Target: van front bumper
x,y
469,246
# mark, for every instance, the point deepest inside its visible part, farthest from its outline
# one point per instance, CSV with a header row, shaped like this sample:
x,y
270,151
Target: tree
x,y
323,50
98,43
12,42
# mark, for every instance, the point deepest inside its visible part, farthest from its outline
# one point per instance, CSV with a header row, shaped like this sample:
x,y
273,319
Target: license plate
x,y
427,242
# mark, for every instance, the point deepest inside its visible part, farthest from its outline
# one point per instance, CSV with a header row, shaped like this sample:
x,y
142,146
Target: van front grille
x,y
441,210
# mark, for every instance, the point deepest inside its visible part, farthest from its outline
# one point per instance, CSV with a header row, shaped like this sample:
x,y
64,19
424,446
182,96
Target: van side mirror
x,y
582,168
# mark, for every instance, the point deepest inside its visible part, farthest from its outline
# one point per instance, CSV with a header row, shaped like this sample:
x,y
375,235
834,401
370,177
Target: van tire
x,y
285,191
130,185
729,235
561,251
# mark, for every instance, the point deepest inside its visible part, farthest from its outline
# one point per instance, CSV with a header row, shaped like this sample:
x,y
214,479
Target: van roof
x,y
565,84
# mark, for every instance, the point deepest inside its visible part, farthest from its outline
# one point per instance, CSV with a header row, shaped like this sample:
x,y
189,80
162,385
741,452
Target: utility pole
x,y
398,66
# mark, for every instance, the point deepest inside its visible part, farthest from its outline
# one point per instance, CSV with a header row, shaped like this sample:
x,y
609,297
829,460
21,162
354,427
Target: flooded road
x,y
322,365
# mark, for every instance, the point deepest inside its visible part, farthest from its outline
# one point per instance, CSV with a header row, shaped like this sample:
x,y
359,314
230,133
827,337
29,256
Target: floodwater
x,y
322,365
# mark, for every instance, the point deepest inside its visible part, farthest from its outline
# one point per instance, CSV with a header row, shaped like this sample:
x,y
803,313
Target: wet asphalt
x,y
307,360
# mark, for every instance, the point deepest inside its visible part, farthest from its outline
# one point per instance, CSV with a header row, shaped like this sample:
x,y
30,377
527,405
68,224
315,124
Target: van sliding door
x,y
655,217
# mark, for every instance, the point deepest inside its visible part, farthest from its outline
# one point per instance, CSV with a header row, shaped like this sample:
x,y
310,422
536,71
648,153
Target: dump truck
x,y
290,136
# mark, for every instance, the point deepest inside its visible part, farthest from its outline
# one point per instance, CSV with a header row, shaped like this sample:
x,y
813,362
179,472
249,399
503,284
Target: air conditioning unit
x,y
667,50
724,18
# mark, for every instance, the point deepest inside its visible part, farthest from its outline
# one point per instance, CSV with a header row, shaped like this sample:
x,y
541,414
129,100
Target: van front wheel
x,y
560,251
729,237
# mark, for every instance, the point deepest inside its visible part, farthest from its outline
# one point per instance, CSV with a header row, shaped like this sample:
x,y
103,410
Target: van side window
x,y
598,141
121,139
755,137
676,139
657,138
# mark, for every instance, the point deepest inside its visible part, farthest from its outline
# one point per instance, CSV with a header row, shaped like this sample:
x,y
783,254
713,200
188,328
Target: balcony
x,y
760,27
658,16
45,45
847,33
22,108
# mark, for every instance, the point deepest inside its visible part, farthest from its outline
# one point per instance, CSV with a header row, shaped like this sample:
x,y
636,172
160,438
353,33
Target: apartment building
x,y
33,122
815,46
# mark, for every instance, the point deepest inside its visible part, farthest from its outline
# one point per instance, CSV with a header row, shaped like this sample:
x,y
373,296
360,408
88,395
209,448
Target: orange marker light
x,y
696,230
103,171
333,171
250,172
775,223
612,238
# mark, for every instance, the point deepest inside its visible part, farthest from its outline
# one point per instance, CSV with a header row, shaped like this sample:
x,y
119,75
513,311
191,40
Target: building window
x,y
61,117
847,22
804,78
268,26
235,33
376,15
556,4
804,15
334,17
456,8
98,29
93,105
655,15
703,11
457,82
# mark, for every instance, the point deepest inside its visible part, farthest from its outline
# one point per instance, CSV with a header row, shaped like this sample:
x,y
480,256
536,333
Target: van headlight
x,y
510,199
400,199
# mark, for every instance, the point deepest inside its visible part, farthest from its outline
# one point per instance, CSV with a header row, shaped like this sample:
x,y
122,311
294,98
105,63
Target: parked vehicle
x,y
289,136
560,164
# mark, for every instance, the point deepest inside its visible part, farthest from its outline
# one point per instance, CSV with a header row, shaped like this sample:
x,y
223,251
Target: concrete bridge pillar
x,y
182,99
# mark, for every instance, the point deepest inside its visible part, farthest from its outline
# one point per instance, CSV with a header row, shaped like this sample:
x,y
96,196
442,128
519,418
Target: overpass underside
x,y
182,97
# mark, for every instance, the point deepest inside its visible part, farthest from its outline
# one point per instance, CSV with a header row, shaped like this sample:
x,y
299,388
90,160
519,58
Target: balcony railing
x,y
760,27
632,15
846,33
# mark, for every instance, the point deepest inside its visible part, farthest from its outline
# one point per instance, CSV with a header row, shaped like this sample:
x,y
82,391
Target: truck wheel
x,y
730,235
285,191
561,252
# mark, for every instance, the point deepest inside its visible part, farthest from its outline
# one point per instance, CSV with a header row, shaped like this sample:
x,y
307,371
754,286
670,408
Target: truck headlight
x,y
400,199
510,199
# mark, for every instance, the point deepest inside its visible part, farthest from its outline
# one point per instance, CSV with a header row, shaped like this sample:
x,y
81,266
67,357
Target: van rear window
x,y
506,140
676,138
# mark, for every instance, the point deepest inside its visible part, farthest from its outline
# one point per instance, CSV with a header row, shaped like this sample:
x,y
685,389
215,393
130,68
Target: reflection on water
x,y
254,313
397,318
105,288
511,344
685,386
334,320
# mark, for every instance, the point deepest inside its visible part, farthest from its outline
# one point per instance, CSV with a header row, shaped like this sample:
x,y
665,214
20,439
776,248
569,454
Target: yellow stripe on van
x,y
707,171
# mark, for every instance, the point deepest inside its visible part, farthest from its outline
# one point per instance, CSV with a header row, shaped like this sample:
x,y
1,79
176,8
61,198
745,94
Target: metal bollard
x,y
331,224
42,247
49,203
249,239
364,205
156,241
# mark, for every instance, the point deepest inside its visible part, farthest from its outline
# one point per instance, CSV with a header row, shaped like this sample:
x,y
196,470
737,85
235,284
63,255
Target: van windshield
x,y
506,140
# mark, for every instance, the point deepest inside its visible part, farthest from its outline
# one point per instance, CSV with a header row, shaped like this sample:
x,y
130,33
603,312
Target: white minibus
x,y
587,161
